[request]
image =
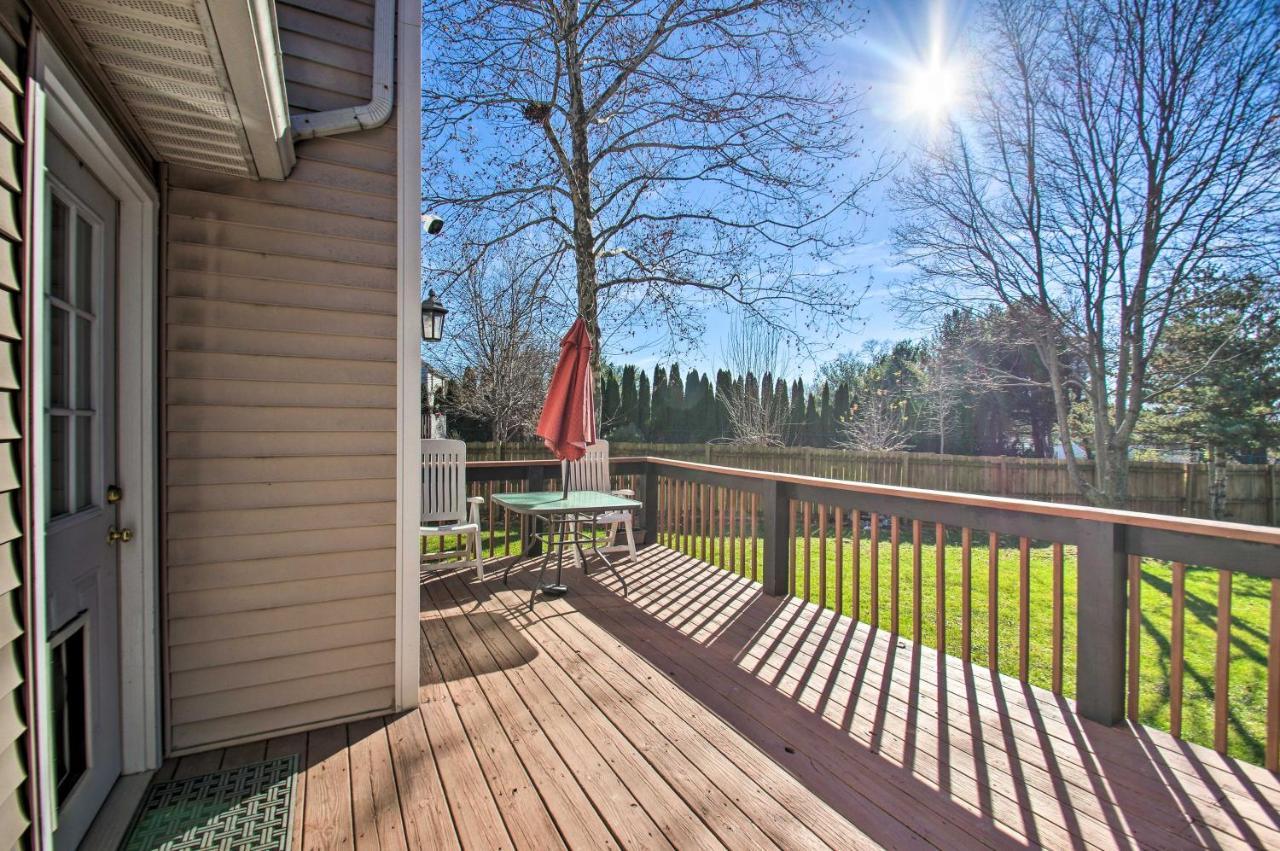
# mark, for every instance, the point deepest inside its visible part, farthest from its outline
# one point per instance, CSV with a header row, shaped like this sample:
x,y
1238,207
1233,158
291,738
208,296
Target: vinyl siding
x,y
280,414
14,745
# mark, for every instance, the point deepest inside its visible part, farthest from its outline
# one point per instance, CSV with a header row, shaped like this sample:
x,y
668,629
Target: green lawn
x,y
1250,613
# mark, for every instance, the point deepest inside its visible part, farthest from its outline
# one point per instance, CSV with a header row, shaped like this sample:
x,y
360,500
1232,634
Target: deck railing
x,y
824,541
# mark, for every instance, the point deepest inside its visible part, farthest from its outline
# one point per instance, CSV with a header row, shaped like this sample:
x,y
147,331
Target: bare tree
x,y
878,423
664,154
941,382
501,350
1114,148
754,348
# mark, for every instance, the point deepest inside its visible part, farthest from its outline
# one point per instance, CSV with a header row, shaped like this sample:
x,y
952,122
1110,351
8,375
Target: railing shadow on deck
x,y
779,652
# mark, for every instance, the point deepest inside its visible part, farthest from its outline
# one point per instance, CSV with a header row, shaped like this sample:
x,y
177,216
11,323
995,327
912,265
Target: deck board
x,y
698,713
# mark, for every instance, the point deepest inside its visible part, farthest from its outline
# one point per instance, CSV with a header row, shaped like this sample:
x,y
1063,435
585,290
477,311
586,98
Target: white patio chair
x,y
446,510
591,473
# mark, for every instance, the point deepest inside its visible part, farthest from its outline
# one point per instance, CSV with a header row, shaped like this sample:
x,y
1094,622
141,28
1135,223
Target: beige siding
x,y
280,417
13,739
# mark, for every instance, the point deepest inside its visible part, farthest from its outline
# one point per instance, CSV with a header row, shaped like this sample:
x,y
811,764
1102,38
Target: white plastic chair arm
x,y
474,513
627,492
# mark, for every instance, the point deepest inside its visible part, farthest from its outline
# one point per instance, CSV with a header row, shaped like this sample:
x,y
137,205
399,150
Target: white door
x,y
80,236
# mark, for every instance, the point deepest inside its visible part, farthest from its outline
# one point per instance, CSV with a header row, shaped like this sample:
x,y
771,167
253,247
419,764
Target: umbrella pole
x,y
564,477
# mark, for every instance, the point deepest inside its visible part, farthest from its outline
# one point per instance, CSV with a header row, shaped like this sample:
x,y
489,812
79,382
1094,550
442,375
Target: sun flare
x,y
932,91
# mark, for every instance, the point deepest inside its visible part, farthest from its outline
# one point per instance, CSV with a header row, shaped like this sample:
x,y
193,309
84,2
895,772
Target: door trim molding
x,y
409,353
57,100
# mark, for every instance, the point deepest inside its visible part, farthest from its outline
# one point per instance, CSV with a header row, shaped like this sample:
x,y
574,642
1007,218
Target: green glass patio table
x,y
568,523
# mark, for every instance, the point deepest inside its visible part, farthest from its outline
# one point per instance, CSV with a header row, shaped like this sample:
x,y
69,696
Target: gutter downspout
x,y
369,115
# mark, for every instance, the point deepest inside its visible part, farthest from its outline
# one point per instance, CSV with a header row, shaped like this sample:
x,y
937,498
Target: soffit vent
x,y
162,60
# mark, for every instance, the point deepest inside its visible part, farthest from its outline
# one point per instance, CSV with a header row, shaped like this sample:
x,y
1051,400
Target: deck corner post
x,y
1101,604
650,499
773,509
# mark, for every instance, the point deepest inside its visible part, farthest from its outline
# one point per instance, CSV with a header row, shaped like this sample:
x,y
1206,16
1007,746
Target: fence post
x,y
773,509
650,499
1100,618
534,480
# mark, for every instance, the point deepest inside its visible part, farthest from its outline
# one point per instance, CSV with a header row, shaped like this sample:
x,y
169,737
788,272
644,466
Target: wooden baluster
x,y
940,583
1024,607
720,494
855,567
1271,756
1177,651
875,569
966,594
1222,663
822,555
838,522
917,604
1057,618
808,537
894,540
733,541
685,506
755,541
792,569
742,533
1135,636
993,602
704,511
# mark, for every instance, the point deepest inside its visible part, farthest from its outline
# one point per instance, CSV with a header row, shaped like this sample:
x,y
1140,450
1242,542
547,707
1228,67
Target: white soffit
x,y
202,78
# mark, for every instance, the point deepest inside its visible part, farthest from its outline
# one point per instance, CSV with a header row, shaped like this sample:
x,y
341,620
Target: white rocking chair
x,y
591,473
446,510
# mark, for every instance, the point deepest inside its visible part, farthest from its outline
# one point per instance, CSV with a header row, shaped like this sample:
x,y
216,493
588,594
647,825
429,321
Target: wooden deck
x,y
697,713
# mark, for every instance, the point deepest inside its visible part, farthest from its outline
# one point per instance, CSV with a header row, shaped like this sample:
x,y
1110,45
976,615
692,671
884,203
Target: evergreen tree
x,y
676,426
627,404
710,410
826,417
766,391
812,422
724,386
795,420
642,407
840,404
693,406
610,402
660,412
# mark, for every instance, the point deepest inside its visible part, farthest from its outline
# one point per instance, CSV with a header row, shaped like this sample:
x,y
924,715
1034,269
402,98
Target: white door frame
x,y
56,100
409,353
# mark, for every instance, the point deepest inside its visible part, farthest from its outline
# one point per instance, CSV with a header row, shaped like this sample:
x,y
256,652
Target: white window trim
x,y
57,100
408,359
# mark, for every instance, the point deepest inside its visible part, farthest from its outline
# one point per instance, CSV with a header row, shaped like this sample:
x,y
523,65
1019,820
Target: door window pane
x,y
59,452
58,249
84,264
84,462
70,715
59,357
84,363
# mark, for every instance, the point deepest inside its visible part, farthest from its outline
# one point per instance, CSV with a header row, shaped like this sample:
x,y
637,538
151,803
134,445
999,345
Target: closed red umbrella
x,y
568,421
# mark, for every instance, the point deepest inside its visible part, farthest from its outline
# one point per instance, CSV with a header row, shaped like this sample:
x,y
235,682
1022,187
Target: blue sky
x,y
898,38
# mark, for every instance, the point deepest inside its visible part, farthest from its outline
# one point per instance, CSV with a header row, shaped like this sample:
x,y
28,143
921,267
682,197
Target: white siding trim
x,y
409,333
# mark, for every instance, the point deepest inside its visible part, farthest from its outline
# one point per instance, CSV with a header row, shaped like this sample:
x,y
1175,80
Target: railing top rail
x,y
1169,523
1265,535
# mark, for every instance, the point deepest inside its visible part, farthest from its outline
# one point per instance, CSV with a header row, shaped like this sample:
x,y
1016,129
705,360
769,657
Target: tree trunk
x,y
584,248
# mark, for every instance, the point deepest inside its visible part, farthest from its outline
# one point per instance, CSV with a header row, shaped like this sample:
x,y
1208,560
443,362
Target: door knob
x,y
122,535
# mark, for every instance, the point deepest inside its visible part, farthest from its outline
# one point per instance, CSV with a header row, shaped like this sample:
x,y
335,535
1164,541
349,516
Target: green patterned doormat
x,y
249,808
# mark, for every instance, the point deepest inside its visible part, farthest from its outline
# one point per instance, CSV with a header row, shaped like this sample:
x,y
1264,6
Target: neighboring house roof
x,y
202,79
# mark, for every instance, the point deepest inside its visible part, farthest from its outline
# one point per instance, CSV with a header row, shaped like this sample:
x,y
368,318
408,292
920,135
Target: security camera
x,y
432,224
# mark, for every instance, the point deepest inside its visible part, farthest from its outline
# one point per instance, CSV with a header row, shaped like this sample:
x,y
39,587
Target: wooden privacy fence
x,y
763,525
1157,487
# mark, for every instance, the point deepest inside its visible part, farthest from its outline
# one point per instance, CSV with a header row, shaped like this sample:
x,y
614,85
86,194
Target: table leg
x,y
595,545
